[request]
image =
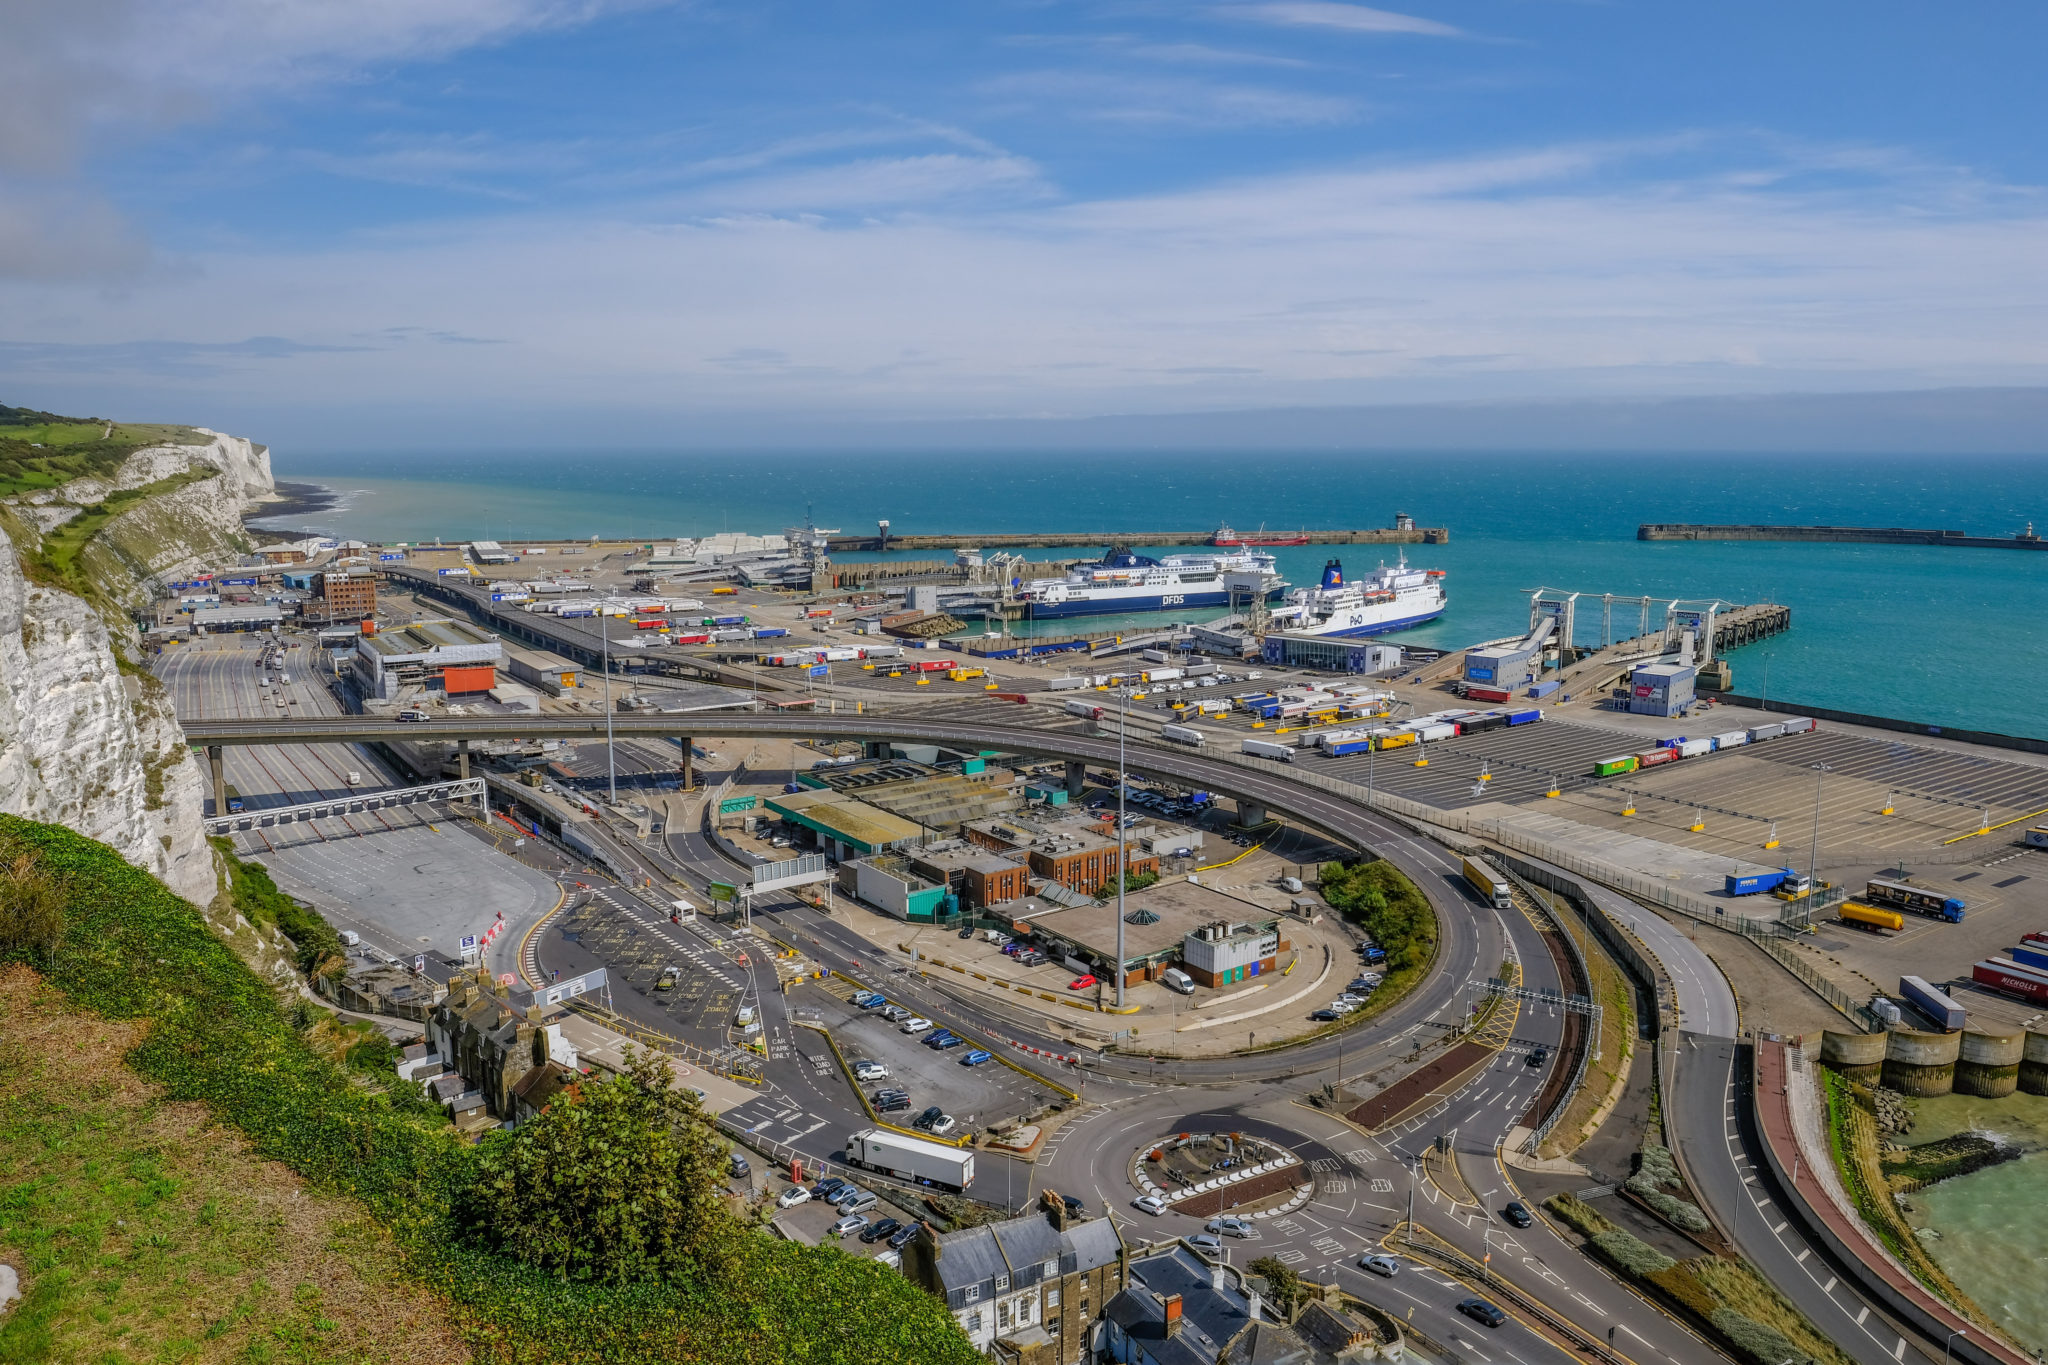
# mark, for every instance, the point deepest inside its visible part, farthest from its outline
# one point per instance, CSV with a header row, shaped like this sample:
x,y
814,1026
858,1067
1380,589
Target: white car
x,y
942,1125
847,1226
1150,1203
1231,1227
791,1197
1342,1006
1207,1243
916,1025
870,1071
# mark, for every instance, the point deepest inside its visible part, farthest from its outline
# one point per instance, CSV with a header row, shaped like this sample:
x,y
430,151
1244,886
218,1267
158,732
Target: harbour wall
x,y
1839,535
1043,540
1911,727
1991,1065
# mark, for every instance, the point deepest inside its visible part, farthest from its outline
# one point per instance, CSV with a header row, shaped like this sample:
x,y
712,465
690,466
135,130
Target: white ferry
x,y
1389,599
1124,581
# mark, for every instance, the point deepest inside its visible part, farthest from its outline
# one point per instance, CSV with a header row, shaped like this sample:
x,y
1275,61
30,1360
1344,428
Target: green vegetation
x,y
1283,1286
55,560
43,450
1133,881
1390,908
218,1036
257,900
1656,1172
31,910
1723,1296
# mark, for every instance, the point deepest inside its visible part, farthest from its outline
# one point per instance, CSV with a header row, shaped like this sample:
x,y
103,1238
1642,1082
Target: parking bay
x,y
977,1096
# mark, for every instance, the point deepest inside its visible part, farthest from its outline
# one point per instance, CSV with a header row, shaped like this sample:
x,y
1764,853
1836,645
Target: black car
x,y
1479,1310
929,1116
891,1104
875,1232
967,931
1325,1016
1538,1057
1518,1215
903,1237
828,1189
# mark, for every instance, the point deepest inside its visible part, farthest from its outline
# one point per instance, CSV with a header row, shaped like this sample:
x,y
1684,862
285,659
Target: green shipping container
x,y
1613,767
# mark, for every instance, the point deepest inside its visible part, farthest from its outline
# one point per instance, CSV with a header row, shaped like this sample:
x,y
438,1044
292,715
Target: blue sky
x,y
464,218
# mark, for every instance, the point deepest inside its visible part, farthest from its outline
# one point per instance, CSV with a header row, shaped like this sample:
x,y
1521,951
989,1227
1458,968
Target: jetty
x,y
1857,535
1048,540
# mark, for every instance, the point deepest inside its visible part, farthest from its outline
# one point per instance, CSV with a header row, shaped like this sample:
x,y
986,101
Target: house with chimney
x,y
1181,1310
495,1052
1029,1290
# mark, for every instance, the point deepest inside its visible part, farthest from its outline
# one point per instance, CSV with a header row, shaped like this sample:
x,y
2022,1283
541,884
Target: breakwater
x,y
1840,535
1047,540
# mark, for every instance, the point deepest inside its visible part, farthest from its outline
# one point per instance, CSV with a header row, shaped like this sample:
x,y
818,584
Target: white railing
x,y
455,789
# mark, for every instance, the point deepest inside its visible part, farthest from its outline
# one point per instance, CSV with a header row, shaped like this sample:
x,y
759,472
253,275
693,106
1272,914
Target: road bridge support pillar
x,y
876,748
215,761
683,763
462,759
1077,777
1250,813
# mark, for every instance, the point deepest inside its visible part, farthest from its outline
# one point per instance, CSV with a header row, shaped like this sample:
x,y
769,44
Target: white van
x,y
1178,980
350,938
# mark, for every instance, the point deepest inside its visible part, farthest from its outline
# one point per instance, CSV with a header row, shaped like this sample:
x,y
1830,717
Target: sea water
x,y
1944,636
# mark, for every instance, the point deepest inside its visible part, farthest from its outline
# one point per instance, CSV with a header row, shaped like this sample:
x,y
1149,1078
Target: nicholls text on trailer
x,y
909,1158
1491,886
1901,896
2012,978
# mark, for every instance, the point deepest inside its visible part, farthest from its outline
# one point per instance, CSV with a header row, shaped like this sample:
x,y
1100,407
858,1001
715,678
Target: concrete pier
x,y
1046,540
1858,1056
1921,1063
1853,535
1988,1064
2034,1064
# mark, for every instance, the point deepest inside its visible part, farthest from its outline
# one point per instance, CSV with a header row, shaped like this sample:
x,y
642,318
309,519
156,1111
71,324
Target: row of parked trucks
x,y
1418,730
1683,746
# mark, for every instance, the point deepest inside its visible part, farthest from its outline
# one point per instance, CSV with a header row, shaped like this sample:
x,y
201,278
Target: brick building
x,y
350,596
1028,1290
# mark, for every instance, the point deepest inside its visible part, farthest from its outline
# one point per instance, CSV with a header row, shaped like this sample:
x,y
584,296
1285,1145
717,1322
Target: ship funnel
x,y
1333,575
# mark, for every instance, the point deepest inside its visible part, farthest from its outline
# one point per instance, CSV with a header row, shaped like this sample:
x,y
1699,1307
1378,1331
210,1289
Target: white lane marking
x,y
1781,1227
1899,1351
1829,1285
1862,1315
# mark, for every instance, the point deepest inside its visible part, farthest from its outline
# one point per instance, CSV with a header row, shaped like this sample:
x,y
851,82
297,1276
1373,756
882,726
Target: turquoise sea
x,y
1949,637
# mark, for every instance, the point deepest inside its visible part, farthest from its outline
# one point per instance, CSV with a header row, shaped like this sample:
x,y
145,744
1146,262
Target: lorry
x,y
1066,684
1894,895
1750,883
1266,748
1491,886
1870,917
1614,767
1182,734
914,1159
1084,709
1947,1014
2012,978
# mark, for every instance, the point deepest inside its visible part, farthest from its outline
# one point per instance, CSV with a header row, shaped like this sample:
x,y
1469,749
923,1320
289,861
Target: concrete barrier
x,y
1859,1056
1921,1063
1988,1064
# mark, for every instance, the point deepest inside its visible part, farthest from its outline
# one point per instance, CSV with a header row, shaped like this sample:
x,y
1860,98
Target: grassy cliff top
x,y
43,450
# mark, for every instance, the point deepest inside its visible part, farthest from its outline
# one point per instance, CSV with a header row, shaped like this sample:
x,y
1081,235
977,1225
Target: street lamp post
x,y
1959,1332
1820,771
1122,781
611,753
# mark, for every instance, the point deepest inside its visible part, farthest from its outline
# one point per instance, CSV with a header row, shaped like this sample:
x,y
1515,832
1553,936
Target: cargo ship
x,y
1125,581
1227,539
1388,599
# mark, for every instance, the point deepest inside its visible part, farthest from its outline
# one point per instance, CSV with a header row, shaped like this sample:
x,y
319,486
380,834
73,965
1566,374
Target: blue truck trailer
x,y
1947,1014
1750,884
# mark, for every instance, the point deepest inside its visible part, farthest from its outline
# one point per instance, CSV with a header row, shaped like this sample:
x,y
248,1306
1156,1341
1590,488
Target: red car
x,y
1081,983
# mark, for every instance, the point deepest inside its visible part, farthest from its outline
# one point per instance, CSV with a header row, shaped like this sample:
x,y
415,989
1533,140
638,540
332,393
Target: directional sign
x,y
723,891
732,805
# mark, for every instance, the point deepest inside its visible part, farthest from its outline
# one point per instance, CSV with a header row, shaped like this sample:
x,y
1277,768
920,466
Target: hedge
x,y
1628,1253
133,950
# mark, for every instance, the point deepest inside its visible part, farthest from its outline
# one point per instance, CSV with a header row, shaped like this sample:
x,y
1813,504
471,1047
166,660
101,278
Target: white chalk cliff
x,y
87,737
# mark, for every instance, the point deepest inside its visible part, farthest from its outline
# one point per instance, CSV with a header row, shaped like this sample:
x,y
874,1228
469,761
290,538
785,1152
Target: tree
x,y
616,1181
1283,1282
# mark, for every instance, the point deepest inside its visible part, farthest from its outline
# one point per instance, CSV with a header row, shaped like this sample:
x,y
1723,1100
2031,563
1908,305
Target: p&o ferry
x,y
1387,600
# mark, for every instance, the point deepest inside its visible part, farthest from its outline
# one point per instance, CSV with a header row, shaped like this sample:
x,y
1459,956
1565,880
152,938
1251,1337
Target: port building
x,y
458,656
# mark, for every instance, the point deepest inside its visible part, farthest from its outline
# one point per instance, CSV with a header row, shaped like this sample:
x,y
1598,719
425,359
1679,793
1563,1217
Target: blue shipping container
x,y
1350,746
2029,957
1524,717
1544,689
770,632
1947,1015
1751,884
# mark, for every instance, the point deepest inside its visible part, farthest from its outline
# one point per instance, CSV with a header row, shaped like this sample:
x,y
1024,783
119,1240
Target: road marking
x,y
1803,1254
1899,1351
1829,1285
1864,1314
1781,1227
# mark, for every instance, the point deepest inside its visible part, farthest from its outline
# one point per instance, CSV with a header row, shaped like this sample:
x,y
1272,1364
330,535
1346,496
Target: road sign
x,y
419,965
724,891
733,805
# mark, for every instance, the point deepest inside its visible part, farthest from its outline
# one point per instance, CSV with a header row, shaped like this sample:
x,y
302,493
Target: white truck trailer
x,y
909,1158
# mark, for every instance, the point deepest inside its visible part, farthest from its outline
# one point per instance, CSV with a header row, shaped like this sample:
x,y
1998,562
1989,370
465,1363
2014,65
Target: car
x,y
892,1104
1518,1214
949,1042
1480,1311
851,1223
1081,983
942,1125
1326,1016
976,1058
930,1113
893,1013
1207,1243
828,1189
1382,1265
865,999
915,1024
1342,1006
669,977
791,1197
1012,949
1231,1227
1150,1203
1538,1057
967,931
738,1168
1352,1000
1370,981
870,1071
887,1227
854,1199
903,1237
938,1039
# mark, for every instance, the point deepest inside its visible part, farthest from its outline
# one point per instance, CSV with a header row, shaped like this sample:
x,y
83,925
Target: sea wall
x,y
88,738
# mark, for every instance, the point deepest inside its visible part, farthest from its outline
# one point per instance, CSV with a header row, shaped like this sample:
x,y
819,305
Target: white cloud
x,y
1192,103
1541,273
1347,18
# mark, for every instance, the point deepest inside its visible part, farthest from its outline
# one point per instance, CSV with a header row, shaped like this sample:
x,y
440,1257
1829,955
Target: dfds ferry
x,y
1124,581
